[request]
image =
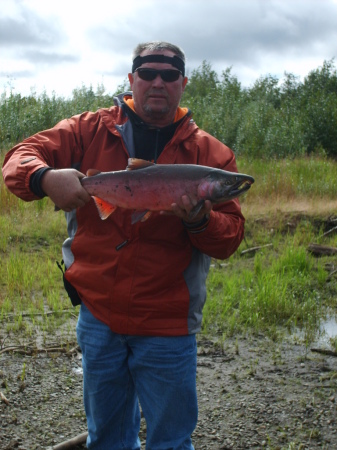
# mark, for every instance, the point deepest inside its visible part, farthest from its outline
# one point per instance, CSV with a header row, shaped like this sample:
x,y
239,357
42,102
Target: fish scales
x,y
154,187
142,188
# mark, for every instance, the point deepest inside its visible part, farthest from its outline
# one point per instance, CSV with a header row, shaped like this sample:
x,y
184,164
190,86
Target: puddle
x,y
329,327
323,336
328,330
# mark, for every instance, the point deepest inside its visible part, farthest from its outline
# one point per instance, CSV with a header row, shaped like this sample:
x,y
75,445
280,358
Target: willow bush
x,y
271,119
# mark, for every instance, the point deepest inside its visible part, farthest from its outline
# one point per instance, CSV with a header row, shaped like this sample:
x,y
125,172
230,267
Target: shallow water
x,y
323,335
329,327
328,330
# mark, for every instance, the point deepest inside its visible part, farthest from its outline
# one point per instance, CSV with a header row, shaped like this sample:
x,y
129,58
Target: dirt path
x,y
253,394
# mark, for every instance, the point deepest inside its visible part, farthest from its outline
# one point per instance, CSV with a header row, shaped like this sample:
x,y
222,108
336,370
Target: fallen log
x,y
253,250
322,250
324,351
71,443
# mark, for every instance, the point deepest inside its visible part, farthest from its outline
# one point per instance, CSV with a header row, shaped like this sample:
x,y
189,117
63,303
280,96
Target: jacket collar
x,y
116,116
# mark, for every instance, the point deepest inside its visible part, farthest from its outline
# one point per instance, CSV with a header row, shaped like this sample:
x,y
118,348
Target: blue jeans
x,y
122,371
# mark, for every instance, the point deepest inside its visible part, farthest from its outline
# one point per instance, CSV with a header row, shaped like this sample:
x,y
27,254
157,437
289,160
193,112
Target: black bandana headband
x,y
173,60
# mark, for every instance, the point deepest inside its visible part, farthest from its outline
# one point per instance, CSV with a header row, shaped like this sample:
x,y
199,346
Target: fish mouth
x,y
241,186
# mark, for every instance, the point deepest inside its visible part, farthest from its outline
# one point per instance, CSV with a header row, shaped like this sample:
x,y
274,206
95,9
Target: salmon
x,y
145,187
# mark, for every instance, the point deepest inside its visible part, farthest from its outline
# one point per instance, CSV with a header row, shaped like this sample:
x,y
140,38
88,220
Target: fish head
x,y
224,186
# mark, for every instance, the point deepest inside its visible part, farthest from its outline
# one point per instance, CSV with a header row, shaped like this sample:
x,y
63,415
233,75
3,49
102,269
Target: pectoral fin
x,y
140,216
105,209
196,209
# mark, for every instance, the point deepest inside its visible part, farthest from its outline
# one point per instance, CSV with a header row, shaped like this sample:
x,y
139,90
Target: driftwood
x,y
47,313
71,443
4,399
254,249
328,232
322,250
29,350
324,351
331,274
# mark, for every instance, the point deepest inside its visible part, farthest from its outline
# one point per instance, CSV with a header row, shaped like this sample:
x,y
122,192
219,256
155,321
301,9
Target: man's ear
x,y
185,80
130,76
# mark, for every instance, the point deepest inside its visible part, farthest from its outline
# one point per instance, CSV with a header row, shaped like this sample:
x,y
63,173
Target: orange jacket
x,y
142,279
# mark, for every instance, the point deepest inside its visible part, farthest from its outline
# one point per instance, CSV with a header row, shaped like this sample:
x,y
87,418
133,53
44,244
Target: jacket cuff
x,y
197,227
35,182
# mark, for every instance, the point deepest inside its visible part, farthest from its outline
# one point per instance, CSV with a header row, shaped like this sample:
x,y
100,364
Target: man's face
x,y
156,101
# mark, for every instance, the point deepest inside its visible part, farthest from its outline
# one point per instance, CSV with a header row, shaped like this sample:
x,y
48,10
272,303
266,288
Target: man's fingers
x,y
64,188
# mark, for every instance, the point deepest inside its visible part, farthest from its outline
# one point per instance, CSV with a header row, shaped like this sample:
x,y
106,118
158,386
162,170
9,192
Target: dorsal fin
x,y
136,163
92,172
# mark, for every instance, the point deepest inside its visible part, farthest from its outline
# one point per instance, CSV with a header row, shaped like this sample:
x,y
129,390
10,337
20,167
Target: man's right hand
x,y
63,187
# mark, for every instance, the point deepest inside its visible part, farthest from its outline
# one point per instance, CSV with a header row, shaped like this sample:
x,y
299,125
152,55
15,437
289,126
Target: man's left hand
x,y
184,208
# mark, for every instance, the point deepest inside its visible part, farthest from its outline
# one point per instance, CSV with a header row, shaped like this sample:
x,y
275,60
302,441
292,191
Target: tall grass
x,y
305,184
281,289
30,281
308,177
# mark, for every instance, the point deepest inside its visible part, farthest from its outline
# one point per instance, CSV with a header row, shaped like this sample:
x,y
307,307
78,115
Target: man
x,y
141,286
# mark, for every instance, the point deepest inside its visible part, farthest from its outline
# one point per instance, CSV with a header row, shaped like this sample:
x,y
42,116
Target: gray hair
x,y
158,45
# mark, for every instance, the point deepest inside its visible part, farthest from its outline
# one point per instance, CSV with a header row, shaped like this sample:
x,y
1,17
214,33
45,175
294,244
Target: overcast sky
x,y
60,45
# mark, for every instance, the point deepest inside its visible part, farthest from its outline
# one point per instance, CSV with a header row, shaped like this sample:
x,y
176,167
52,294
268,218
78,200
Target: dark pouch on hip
x,y
71,291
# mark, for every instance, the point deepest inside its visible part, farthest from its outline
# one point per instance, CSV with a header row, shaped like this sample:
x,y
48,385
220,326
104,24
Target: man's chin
x,y
156,111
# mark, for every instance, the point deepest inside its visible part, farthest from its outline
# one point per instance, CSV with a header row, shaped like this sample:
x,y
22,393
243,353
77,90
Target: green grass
x,y
288,178
31,235
274,291
278,289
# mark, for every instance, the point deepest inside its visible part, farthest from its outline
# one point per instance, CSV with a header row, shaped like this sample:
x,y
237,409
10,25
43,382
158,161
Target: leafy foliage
x,y
21,117
272,119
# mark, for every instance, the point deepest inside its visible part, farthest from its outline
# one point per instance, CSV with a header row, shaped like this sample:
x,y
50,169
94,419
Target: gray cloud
x,y
229,32
29,29
120,71
18,74
51,58
251,36
33,40
14,32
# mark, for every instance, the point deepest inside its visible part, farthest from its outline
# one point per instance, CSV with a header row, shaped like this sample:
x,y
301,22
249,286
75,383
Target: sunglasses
x,y
168,75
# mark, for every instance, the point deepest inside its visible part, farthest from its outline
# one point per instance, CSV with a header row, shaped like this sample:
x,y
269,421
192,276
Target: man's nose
x,y
158,80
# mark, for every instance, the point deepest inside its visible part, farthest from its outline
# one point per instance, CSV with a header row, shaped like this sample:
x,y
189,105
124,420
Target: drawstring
x,y
156,146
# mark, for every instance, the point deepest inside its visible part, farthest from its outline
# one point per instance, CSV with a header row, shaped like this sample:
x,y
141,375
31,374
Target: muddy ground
x,y
253,394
